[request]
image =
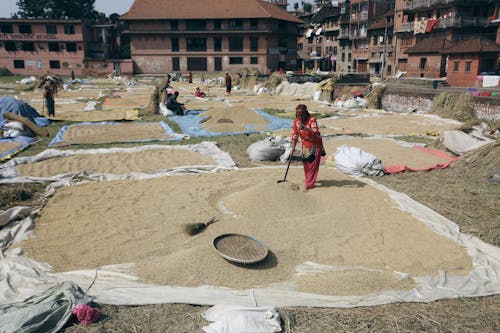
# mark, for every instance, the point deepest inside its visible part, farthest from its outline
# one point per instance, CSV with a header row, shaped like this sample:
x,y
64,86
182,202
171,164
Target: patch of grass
x,y
415,139
26,194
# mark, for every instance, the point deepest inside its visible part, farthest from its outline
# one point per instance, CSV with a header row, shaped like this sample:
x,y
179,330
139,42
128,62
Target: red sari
x,y
310,140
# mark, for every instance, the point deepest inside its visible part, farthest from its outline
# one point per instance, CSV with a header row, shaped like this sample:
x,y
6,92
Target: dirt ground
x,y
463,195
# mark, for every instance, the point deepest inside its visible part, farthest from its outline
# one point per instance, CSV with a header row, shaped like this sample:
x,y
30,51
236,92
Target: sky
x,y
105,6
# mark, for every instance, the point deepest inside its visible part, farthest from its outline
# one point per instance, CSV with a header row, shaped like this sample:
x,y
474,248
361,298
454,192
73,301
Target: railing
x,y
464,21
362,16
407,26
415,4
361,34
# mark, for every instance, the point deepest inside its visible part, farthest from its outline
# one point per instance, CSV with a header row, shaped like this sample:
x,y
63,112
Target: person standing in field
x,y
305,127
49,92
228,82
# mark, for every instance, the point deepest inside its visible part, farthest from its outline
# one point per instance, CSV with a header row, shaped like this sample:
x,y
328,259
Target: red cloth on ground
x,y
396,168
85,314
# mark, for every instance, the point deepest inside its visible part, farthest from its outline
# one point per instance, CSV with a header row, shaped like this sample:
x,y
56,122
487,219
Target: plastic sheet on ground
x,y
396,168
222,161
16,106
459,142
113,284
11,146
46,312
191,124
59,138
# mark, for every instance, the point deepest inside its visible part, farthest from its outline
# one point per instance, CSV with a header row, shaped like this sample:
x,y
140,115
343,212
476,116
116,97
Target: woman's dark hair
x,y
301,107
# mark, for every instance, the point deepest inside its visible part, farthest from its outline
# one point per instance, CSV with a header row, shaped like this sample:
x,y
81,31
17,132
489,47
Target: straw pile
x,y
485,161
459,107
374,99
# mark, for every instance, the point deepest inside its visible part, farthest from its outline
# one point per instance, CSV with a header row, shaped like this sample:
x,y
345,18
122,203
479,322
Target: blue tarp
x,y
16,106
190,124
24,141
168,130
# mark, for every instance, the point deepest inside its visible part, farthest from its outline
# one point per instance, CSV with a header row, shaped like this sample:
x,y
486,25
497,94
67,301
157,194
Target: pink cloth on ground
x,y
85,314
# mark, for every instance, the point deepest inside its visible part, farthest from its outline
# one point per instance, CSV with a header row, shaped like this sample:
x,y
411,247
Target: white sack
x,y
242,319
164,111
15,125
354,161
269,149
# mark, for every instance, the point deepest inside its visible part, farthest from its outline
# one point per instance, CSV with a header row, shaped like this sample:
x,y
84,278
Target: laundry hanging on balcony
x,y
420,27
431,24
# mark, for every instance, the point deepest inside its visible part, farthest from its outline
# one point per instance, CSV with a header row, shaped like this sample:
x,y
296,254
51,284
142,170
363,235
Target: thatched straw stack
x,y
153,106
274,80
459,107
374,98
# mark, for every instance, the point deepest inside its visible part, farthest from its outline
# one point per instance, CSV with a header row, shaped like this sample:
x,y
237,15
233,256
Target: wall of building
x,y
432,67
106,67
39,60
460,77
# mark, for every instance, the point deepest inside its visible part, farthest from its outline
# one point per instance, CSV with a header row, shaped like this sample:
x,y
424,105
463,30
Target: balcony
x,y
419,4
343,34
358,35
358,17
407,26
461,22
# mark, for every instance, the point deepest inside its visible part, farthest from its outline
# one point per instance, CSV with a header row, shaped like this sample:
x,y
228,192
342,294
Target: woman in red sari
x,y
305,127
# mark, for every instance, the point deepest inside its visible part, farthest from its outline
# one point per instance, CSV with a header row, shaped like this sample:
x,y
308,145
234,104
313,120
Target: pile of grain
x,y
341,223
386,150
233,119
395,124
483,162
125,132
115,163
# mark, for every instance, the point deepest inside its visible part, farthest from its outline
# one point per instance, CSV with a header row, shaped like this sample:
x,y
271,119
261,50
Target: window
x,y
18,63
28,46
467,66
197,64
54,64
235,44
318,51
71,47
10,46
51,28
423,62
235,60
235,24
25,28
283,26
174,25
196,44
254,23
283,42
175,44
254,43
196,25
6,28
254,60
217,44
374,40
456,65
53,47
300,46
349,57
175,64
217,24
69,29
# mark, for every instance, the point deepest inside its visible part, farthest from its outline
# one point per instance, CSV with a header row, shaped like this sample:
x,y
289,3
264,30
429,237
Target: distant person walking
x,y
72,74
49,92
305,127
228,81
190,77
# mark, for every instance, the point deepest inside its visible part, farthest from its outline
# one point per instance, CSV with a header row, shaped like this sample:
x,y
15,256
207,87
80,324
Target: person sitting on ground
x,y
174,106
199,93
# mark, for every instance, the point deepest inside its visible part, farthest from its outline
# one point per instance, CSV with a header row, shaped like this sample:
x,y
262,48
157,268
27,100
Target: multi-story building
x,y
453,21
362,12
31,46
224,36
381,46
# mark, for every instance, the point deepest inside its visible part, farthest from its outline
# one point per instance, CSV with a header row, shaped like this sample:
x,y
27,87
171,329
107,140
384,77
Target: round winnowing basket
x,y
240,249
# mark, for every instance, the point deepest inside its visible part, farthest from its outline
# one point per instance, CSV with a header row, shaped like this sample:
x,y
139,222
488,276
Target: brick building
x,y
31,46
208,36
419,20
381,46
425,59
469,58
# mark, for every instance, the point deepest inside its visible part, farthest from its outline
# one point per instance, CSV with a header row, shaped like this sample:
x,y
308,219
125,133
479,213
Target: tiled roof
x,y
324,12
473,45
380,23
210,9
430,45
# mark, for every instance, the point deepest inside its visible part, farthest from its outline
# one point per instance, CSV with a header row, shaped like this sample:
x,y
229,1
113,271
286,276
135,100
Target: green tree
x,y
56,9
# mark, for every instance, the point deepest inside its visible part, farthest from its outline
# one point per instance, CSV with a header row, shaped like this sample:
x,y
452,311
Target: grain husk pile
x,y
341,223
115,163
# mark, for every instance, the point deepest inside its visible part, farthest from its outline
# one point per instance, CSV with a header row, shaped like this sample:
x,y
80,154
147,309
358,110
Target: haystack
x,y
374,98
459,107
483,162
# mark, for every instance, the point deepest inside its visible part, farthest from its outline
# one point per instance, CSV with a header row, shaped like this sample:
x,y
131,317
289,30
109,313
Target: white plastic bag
x,y
357,162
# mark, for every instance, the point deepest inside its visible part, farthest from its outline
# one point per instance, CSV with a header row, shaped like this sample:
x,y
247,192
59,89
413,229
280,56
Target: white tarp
x,y
222,159
242,319
115,285
459,142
